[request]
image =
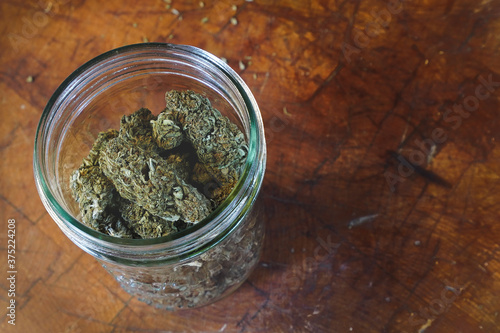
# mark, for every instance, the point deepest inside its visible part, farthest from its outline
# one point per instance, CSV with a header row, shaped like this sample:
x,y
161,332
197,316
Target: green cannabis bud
x,y
95,194
143,223
159,174
219,144
136,129
167,131
145,178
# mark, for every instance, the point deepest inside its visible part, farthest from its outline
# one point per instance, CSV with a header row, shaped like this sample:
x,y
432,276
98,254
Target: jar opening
x,y
99,81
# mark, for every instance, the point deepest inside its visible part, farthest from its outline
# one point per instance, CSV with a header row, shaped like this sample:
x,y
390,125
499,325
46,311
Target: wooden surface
x,y
357,239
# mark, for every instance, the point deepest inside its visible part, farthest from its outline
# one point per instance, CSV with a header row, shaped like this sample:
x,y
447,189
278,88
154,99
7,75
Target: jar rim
x,y
256,151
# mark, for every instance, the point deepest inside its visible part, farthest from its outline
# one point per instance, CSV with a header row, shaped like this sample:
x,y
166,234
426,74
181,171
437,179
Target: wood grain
x,y
357,240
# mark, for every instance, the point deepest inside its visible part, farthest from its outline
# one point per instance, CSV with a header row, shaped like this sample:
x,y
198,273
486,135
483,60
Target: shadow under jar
x,y
200,264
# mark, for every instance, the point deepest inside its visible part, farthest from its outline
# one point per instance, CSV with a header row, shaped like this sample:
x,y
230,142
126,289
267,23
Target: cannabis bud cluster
x,y
159,174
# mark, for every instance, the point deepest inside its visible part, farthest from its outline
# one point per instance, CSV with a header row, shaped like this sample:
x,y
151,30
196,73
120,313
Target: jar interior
x,y
98,102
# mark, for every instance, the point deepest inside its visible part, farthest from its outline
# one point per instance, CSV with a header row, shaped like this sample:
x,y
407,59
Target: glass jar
x,y
200,264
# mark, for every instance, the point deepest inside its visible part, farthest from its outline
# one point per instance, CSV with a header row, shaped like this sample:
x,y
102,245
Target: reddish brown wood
x,y
340,85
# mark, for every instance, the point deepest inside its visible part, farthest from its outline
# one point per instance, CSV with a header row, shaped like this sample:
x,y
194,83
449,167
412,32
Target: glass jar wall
x,y
187,269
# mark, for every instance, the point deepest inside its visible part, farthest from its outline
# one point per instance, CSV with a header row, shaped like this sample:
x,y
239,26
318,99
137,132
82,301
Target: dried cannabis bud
x,y
95,194
143,181
166,131
217,141
143,223
219,144
136,129
180,164
146,179
216,184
